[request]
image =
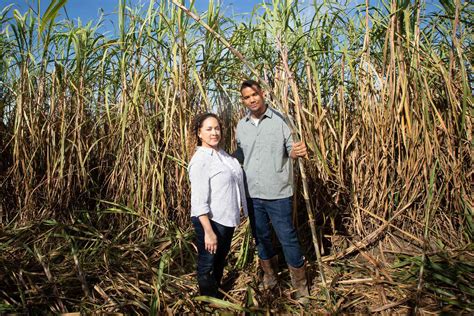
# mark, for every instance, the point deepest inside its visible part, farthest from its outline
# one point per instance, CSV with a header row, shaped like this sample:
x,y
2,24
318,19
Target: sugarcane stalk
x,y
289,122
309,208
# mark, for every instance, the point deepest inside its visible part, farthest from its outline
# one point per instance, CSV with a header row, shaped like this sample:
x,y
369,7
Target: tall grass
x,y
94,192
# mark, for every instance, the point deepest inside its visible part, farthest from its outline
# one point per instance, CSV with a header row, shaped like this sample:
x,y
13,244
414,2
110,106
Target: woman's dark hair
x,y
197,124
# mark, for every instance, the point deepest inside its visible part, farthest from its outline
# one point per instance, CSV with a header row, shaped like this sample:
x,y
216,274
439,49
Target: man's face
x,y
254,99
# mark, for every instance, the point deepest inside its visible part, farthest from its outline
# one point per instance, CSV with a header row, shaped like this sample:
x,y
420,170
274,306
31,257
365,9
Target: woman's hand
x,y
210,241
210,238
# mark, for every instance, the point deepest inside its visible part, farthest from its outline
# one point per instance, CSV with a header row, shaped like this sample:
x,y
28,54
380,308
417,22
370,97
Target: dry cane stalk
x,y
309,208
290,125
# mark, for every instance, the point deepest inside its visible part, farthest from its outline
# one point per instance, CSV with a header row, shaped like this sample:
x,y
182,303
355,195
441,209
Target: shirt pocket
x,y
278,155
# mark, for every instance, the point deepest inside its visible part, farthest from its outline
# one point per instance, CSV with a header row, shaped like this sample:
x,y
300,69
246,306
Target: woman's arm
x,y
210,238
200,191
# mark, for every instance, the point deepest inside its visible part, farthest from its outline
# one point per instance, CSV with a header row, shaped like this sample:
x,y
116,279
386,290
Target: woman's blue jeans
x,y
279,214
210,267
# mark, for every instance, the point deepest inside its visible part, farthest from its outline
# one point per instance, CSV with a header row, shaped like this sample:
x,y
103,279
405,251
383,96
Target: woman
x,y
217,195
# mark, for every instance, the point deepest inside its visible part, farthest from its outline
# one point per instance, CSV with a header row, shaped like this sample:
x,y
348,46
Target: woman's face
x,y
210,133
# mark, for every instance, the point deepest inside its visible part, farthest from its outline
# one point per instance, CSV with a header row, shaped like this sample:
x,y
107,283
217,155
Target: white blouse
x,y
217,186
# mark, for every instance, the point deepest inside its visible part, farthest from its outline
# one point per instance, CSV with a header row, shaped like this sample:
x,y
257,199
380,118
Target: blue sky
x,y
87,10
90,9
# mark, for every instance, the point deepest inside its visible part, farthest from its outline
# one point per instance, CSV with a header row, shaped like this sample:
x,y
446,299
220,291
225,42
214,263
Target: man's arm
x,y
298,150
238,153
294,149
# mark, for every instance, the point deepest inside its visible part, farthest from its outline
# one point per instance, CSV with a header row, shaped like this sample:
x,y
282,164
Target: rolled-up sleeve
x,y
199,178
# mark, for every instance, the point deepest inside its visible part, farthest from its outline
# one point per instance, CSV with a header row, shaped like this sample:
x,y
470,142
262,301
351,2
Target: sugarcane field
x,y
338,132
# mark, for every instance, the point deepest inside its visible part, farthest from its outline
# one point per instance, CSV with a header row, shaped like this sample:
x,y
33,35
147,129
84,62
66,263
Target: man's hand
x,y
298,150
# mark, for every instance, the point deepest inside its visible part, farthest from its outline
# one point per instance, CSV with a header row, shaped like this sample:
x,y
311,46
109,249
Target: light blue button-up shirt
x,y
217,186
264,149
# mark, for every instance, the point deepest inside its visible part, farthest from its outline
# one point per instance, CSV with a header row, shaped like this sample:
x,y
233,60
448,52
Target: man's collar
x,y
268,113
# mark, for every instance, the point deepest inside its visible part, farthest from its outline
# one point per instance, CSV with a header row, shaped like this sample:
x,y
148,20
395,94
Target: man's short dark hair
x,y
249,84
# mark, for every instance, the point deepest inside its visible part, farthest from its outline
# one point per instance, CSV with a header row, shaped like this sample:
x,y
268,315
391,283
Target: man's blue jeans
x,y
210,267
278,212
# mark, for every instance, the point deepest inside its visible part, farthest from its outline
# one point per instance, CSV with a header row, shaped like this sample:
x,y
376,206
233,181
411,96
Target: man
x,y
264,147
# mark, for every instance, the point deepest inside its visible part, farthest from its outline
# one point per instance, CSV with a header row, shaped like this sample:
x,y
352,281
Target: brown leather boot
x,y
269,268
300,283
